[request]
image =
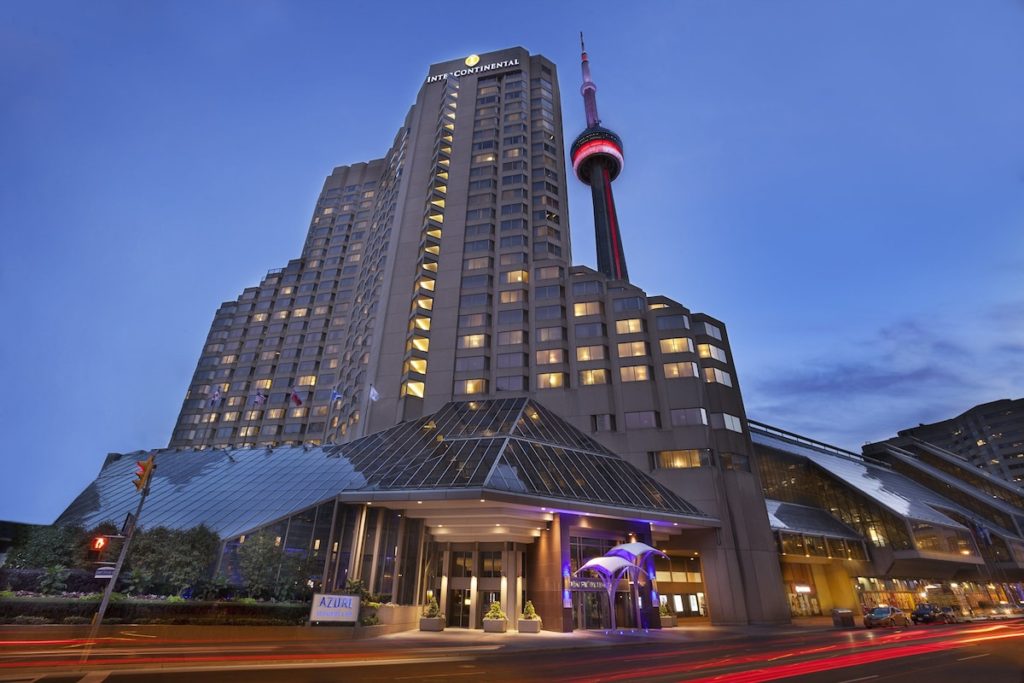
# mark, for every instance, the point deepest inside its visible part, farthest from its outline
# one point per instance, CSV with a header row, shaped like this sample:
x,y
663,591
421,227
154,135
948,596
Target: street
x,y
989,652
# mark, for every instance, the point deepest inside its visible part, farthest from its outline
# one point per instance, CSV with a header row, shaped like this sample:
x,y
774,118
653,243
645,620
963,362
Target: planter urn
x,y
529,625
431,623
495,625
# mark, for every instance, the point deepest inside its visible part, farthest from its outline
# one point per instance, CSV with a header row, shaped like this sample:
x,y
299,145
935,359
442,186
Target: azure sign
x,y
343,608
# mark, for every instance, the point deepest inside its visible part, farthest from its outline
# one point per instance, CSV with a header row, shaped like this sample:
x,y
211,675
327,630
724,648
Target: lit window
x,y
629,326
298,412
424,302
420,343
280,315
676,345
427,284
714,375
263,384
512,297
300,312
230,417
632,349
549,356
228,359
635,373
583,308
589,377
275,414
515,276
656,306
413,388
421,322
682,459
259,317
471,386
584,353
551,380
681,369
307,381
472,341
418,365
711,351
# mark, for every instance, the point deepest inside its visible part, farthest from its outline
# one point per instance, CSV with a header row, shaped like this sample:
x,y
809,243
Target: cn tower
x,y
596,160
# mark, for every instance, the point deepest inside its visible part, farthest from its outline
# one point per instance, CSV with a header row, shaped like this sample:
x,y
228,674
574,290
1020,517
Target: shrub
x,y
664,610
529,612
54,580
495,612
28,620
369,620
6,595
431,610
175,598
75,620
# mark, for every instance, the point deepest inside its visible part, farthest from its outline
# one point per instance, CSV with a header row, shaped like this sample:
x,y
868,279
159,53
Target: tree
x,y
170,560
51,546
259,558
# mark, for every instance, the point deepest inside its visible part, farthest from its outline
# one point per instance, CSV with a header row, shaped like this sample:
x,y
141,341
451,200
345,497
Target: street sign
x,y
104,573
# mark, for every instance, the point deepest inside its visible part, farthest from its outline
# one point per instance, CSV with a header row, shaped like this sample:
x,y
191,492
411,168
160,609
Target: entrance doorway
x,y
458,607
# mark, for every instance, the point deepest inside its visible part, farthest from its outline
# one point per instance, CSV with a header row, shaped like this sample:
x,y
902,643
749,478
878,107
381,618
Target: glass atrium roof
x,y
802,519
513,446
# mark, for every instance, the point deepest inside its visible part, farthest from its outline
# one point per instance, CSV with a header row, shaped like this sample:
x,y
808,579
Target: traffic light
x,y
143,471
99,544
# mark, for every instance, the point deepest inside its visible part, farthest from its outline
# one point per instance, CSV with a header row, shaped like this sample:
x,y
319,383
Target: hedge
x,y
78,581
159,612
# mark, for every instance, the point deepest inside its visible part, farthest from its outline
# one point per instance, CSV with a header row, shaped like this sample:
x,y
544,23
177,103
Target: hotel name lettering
x,y
473,70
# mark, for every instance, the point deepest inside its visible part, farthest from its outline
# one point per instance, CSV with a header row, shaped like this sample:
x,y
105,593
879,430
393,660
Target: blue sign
x,y
342,608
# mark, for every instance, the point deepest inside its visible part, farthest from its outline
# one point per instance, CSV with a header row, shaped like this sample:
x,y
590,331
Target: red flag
x,y
295,398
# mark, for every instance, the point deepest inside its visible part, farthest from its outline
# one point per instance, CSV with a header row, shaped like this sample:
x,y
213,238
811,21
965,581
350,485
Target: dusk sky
x,y
842,183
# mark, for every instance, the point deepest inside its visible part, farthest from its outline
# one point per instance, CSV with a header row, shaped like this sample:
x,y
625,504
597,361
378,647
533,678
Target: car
x,y
952,615
886,616
927,613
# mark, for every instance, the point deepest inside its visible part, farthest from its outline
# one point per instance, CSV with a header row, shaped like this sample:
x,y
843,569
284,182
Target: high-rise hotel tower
x,y
443,272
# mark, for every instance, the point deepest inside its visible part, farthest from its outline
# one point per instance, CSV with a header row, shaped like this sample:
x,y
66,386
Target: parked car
x,y
886,616
952,615
927,613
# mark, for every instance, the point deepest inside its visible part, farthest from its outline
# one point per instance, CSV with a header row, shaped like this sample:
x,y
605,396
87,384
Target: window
x,y
512,297
472,281
512,259
550,356
511,337
604,422
642,419
597,376
471,363
714,375
515,383
629,326
469,301
413,388
673,322
635,373
550,334
632,349
478,245
549,272
711,351
585,353
682,459
470,386
635,303
583,308
736,462
726,421
555,312
275,414
681,369
511,360
688,417
472,341
548,292
585,288
477,263
417,365
515,276
475,320
586,330
306,381
514,316
676,345
712,331
551,380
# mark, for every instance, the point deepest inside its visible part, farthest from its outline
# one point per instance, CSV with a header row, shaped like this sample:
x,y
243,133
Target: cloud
x,y
919,369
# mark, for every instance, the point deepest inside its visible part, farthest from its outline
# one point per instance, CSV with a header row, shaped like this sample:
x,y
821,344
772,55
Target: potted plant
x,y
668,618
529,621
431,619
495,620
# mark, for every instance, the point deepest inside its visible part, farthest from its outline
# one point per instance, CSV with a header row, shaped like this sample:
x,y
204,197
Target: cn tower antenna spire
x,y
589,89
597,161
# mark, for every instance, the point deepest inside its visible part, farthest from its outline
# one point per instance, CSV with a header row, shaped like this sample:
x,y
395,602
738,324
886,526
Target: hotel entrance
x,y
459,607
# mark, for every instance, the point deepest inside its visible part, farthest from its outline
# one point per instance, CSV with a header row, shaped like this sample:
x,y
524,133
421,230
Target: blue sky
x,y
842,183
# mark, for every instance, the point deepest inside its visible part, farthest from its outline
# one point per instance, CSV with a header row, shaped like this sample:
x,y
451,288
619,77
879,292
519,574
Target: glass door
x,y
458,607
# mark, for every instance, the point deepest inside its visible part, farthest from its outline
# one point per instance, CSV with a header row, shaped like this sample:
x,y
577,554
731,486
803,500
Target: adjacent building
x,y
990,436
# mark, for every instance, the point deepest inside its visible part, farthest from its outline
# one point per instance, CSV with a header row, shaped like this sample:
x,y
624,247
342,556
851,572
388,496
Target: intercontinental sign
x,y
471,68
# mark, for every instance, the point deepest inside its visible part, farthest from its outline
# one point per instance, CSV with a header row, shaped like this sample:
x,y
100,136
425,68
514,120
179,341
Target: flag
x,y
295,398
335,395
259,399
374,396
214,399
